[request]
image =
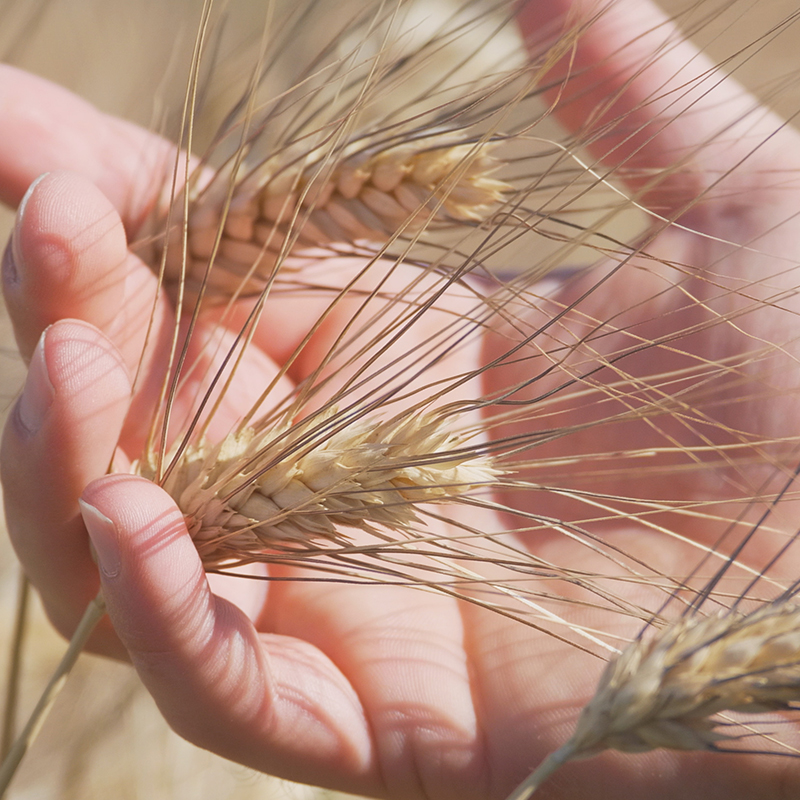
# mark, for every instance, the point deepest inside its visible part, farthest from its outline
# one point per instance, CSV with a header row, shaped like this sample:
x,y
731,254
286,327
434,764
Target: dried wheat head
x,y
253,495
664,690
366,197
667,688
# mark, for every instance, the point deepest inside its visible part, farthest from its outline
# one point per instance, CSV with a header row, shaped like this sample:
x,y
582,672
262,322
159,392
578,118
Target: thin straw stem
x,y
553,762
15,665
93,614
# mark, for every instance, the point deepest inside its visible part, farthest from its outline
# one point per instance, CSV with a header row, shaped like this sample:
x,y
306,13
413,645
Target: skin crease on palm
x,y
374,690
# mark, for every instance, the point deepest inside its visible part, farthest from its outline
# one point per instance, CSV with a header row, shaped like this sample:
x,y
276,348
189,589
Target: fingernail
x,y
38,393
12,264
103,534
10,272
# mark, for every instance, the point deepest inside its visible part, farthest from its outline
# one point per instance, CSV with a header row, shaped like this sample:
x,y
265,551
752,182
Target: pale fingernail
x,y
38,393
103,535
16,253
10,272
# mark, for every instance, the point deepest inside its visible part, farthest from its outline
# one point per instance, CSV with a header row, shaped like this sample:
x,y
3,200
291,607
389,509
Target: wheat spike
x,y
255,493
664,691
366,196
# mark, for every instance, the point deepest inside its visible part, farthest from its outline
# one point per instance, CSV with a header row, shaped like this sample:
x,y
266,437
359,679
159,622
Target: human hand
x,y
707,300
372,689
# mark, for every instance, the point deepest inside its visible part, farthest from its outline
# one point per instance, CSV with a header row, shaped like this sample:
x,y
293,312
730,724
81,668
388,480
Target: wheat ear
x,y
664,691
366,196
255,492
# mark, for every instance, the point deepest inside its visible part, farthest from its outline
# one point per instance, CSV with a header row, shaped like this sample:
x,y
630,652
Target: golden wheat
x,y
251,495
364,196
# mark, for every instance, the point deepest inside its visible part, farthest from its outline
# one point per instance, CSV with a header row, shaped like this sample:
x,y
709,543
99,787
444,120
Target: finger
x,y
207,396
61,434
47,128
270,702
69,258
380,333
649,104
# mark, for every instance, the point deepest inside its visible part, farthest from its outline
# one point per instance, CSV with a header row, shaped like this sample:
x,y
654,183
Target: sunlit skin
x,y
375,690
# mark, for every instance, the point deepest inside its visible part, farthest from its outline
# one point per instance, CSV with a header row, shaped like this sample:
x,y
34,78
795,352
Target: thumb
x,y
155,588
185,642
265,700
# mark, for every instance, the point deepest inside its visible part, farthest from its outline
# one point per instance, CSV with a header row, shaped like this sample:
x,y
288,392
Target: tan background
x,y
105,739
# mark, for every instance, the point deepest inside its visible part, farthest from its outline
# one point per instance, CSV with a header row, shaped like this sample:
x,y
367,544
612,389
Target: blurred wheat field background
x,y
105,737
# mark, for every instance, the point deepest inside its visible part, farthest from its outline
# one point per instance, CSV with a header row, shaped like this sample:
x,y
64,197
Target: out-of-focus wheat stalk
x,y
344,473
